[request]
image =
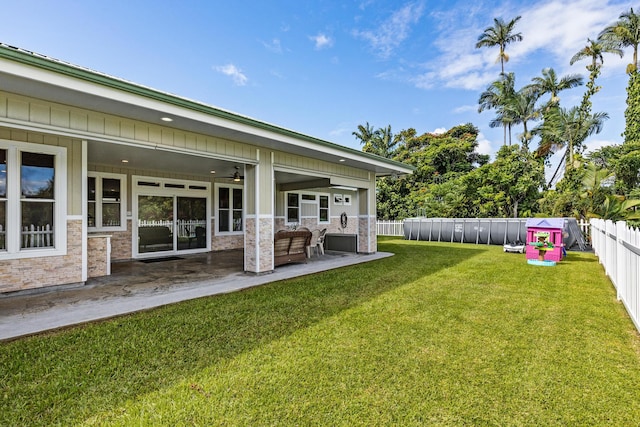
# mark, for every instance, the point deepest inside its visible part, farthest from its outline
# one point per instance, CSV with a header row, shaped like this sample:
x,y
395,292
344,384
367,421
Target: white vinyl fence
x,y
185,228
390,228
618,249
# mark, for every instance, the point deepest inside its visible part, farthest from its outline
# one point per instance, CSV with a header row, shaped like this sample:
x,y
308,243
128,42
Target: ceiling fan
x,y
236,176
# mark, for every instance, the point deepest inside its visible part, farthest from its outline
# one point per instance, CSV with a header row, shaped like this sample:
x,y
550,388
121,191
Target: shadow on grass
x,y
580,257
66,377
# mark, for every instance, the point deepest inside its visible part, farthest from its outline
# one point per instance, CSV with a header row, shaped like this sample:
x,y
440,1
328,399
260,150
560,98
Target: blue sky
x,y
324,67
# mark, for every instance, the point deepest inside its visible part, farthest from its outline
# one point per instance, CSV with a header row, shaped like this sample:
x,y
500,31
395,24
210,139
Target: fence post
x,y
621,258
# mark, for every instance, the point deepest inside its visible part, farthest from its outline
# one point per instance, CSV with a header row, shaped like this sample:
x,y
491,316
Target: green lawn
x,y
443,334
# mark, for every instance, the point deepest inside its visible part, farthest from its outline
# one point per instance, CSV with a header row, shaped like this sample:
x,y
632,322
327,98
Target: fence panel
x,y
185,228
37,236
617,247
390,228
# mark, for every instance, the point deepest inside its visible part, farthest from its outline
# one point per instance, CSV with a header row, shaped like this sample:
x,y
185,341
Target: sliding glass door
x,y
172,216
191,224
155,224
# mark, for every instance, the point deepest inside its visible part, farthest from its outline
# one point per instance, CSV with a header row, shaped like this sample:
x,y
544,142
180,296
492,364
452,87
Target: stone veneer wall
x,y
223,243
367,233
266,246
98,249
336,227
33,273
121,244
250,242
312,224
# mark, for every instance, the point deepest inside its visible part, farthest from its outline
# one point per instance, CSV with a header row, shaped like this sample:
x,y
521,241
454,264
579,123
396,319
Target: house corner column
x,y
367,240
259,188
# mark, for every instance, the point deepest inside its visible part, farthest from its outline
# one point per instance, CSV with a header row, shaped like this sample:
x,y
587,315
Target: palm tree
x,y
594,50
501,34
380,141
364,133
497,96
618,208
549,84
624,33
569,129
522,109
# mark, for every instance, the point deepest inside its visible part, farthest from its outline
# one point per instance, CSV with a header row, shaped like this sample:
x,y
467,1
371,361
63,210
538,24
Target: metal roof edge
x,y
57,66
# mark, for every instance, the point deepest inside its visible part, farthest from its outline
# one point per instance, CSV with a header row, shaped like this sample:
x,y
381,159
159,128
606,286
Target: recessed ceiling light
x,y
125,161
166,119
342,160
213,171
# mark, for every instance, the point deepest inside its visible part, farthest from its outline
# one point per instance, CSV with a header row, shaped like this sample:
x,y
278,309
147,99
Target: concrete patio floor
x,y
135,286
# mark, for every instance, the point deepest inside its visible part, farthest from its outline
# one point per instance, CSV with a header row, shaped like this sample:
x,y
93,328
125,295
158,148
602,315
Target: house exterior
x,y
95,169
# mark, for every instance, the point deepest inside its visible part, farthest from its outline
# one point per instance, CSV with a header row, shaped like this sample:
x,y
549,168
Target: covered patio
x,y
141,285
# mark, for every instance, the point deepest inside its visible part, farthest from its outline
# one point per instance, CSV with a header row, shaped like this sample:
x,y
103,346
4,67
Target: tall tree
x,y
505,187
594,50
570,128
364,133
500,34
625,32
522,109
549,83
498,96
380,141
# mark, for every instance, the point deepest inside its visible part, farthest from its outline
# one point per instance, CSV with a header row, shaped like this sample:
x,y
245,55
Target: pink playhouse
x,y
544,240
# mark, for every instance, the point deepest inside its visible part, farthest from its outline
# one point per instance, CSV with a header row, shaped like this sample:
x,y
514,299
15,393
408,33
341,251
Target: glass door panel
x,y
155,224
192,224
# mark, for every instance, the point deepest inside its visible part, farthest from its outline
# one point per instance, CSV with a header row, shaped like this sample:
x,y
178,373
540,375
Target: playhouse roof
x,y
546,222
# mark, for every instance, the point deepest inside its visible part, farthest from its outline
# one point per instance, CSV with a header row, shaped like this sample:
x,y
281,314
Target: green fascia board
x,y
40,61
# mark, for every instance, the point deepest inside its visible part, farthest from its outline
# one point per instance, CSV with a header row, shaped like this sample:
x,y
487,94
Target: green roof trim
x,y
71,70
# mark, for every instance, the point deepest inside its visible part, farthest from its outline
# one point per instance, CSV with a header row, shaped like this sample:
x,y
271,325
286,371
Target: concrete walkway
x,y
29,314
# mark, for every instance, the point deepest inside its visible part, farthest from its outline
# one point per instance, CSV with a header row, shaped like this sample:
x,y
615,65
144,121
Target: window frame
x,y
287,220
99,176
231,209
315,200
328,208
14,200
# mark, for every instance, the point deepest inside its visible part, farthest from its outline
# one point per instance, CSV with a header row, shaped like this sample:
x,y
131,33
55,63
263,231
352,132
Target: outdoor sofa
x,y
290,246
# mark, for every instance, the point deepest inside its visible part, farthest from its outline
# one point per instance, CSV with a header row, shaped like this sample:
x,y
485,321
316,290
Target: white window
x,y
323,208
33,184
106,201
229,211
293,207
307,206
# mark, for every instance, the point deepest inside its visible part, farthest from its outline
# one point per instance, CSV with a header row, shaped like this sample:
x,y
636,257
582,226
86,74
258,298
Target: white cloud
x,y
556,27
273,46
484,145
342,129
465,109
239,79
439,131
393,31
595,144
321,41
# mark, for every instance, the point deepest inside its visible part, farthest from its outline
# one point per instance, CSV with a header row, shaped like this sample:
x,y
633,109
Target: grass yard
x,y
440,334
